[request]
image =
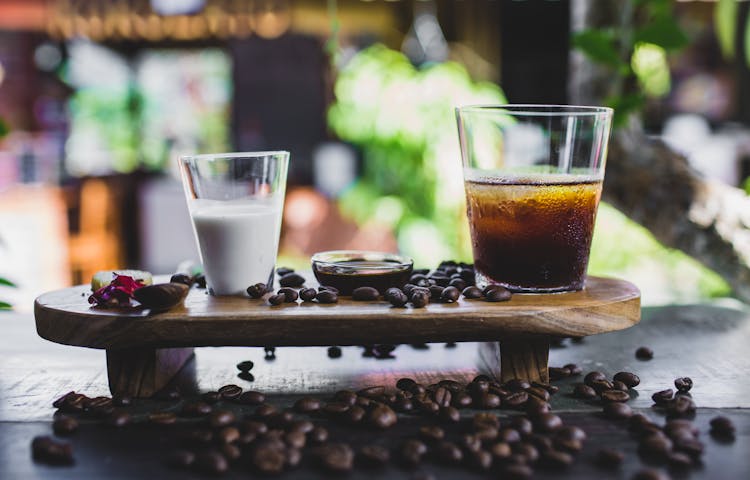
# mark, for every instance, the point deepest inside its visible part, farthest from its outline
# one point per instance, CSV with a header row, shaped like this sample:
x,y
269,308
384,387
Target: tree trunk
x,y
655,186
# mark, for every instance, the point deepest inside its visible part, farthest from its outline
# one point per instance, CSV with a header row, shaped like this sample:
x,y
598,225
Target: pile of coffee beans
x,y
446,284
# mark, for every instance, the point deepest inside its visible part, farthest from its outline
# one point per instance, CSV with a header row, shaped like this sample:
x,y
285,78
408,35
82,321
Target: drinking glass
x,y
533,178
235,202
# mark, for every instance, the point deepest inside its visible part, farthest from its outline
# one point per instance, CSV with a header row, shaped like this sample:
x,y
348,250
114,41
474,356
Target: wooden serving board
x,y
153,346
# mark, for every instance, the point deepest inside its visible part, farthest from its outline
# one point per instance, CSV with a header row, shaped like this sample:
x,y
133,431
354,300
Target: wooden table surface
x,y
707,343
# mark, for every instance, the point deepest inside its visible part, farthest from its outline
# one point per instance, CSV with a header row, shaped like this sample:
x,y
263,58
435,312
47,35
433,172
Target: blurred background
x,y
99,98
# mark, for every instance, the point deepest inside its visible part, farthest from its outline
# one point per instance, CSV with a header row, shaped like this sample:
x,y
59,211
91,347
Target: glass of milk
x,y
235,202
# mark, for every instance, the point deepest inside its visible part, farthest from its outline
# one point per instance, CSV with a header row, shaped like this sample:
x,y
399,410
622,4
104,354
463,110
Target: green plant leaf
x,y
599,46
6,282
663,31
5,306
624,105
3,128
725,24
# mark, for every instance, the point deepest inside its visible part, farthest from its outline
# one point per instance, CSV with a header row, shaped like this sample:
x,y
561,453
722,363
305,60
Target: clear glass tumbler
x,y
235,202
533,177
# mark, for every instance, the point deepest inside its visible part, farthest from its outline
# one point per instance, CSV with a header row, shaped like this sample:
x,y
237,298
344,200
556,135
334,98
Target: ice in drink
x,y
238,242
532,233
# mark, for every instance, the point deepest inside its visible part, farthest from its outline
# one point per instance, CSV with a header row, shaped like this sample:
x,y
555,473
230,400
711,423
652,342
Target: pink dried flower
x,y
118,293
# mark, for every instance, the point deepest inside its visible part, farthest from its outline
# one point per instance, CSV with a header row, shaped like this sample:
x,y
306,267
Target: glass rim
x,y
227,155
537,110
332,258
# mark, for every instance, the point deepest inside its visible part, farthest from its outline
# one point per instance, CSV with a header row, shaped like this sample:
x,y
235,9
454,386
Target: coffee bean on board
x,y
644,353
365,294
593,377
162,418
327,296
335,457
307,405
382,417
195,409
257,290
450,295
268,458
396,297
683,384
584,391
609,458
230,392
498,294
291,280
44,449
573,369
614,396
617,410
373,456
245,366
308,294
629,379
662,397
290,294
472,292
64,425
419,298
722,427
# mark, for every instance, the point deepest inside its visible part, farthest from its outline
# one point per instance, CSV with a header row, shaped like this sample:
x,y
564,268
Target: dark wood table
x,y
707,343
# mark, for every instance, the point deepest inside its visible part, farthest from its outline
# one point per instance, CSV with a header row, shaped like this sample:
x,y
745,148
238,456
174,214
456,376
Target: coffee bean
x,y
509,435
366,294
334,352
517,399
573,369
228,435
121,401
230,451
535,406
44,449
277,299
307,405
609,458
382,417
230,392
462,400
304,426
500,450
281,271
117,419
279,419
268,458
431,433
522,425
257,290
253,426
479,460
221,418
291,280
335,457
722,427
556,459
373,456
487,401
584,391
335,408
195,409
329,288
442,396
307,294
396,297
644,353
327,297
655,446
290,294
64,425
162,418
539,393
355,414
198,437
498,294
419,299
485,420
372,392
517,384
547,422
458,283
593,377
450,295
251,397
180,458
449,453
516,472
618,385
295,439
472,292
691,446
681,406
649,474
602,385
318,435
614,396
404,405
617,410
449,414
210,397
247,376
411,452
557,373
470,442
662,397
631,380
245,366
683,384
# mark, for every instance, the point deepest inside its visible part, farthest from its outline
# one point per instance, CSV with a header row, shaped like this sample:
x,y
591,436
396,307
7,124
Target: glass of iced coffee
x,y
235,202
533,177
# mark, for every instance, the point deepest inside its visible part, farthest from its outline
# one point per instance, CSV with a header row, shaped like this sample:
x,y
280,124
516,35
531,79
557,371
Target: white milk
x,y
238,242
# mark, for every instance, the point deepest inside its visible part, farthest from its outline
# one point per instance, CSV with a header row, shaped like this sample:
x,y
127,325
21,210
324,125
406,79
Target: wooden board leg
x,y
522,357
141,372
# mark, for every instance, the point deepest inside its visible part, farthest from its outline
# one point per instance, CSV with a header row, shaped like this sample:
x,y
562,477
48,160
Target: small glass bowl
x,y
346,270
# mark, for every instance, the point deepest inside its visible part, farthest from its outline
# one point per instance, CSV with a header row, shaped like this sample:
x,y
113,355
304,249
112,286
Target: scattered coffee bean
x,y
382,417
228,435
373,456
683,384
449,453
593,377
318,435
450,295
419,299
442,396
662,397
487,401
539,393
508,435
472,292
449,414
514,471
195,409
547,422
327,297
411,452
365,294
291,280
681,406
162,418
308,294
230,451
584,391
117,419
516,400
268,458
245,366
257,290
335,457
431,433
307,405
64,425
180,458
655,446
556,459
614,396
458,283
644,353
334,352
295,439
211,397
251,397
221,418
631,380
617,410
602,385
44,449
329,288
290,294
277,299
230,392
618,385
609,458
722,427
354,414
498,294
574,369
396,297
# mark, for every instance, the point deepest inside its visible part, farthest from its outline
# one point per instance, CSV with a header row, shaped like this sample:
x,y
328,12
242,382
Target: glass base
x,y
483,280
